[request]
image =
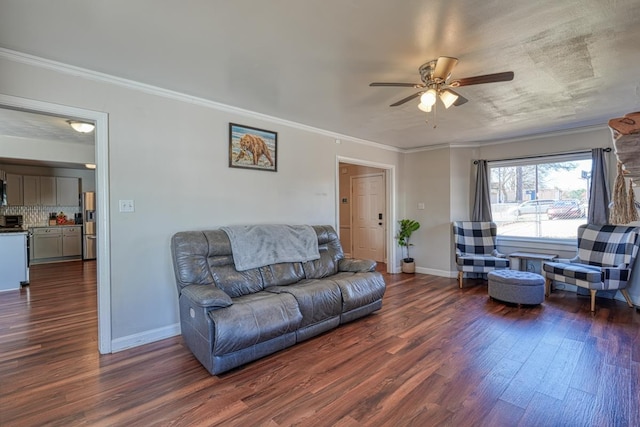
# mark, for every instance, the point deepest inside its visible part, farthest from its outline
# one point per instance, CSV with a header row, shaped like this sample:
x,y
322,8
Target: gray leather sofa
x,y
230,317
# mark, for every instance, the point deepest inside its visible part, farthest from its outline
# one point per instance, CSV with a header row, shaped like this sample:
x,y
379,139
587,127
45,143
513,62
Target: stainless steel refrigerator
x,y
89,225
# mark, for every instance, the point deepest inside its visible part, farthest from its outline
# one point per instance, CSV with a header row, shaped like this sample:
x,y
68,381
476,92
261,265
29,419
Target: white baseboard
x,y
145,337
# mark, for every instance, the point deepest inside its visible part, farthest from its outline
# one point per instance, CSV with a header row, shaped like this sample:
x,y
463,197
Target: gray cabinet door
x,y
48,191
31,190
72,241
14,190
67,191
47,245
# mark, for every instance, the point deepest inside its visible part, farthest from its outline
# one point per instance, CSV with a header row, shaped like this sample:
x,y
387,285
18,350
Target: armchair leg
x,y
627,297
593,299
547,287
460,274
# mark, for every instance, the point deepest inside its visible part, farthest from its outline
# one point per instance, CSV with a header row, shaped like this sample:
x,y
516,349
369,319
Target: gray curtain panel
x,y
482,199
599,193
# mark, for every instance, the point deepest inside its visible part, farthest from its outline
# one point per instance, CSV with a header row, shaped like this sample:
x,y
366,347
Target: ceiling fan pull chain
x,y
435,115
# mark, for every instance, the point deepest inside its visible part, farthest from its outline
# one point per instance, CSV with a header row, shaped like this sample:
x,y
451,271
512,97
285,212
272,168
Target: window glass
x,y
545,197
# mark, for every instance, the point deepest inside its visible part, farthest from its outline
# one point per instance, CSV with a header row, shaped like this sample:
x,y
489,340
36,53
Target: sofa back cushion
x,y
286,273
330,254
607,245
205,258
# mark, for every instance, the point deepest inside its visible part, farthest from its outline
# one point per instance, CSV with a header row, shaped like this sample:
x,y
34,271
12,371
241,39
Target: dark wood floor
x,y
434,355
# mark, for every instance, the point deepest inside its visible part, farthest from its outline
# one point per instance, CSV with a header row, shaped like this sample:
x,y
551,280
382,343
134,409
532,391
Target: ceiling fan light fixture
x,y
82,127
428,98
425,108
448,98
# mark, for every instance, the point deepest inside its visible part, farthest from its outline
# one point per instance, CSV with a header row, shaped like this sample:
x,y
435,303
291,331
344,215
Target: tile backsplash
x,y
37,216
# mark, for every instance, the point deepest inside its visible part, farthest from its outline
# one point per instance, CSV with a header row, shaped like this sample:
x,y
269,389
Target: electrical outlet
x,y
127,206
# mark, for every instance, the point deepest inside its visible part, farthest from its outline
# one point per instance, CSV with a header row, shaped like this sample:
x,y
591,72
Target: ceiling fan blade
x,y
407,99
487,78
461,100
444,66
414,85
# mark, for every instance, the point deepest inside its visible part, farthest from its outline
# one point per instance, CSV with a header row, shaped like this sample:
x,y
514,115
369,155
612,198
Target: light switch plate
x,y
127,206
420,205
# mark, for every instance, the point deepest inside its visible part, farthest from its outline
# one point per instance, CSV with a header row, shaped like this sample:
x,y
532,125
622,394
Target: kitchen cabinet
x,y
67,191
56,243
48,195
50,191
47,242
31,190
72,241
14,190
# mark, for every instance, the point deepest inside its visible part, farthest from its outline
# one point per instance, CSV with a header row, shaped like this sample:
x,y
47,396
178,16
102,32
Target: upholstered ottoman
x,y
519,287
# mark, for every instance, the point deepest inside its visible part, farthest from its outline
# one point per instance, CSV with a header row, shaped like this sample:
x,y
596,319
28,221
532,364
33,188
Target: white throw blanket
x,y
259,245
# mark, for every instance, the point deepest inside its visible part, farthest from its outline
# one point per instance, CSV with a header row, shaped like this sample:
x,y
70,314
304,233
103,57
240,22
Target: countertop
x,y
12,233
55,226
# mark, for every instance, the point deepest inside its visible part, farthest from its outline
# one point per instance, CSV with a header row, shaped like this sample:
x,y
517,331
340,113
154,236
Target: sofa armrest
x,y
615,278
356,265
207,296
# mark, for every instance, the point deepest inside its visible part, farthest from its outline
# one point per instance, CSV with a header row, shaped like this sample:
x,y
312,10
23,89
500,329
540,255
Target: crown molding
x,y
73,70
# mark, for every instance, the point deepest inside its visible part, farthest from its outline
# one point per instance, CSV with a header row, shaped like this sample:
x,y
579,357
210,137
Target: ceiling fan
x,y
436,83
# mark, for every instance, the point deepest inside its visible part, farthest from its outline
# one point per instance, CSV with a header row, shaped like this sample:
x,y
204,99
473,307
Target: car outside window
x,y
544,197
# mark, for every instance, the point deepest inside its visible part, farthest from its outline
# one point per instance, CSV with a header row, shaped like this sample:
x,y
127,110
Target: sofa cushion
x,y
253,319
359,289
330,254
282,274
318,300
237,283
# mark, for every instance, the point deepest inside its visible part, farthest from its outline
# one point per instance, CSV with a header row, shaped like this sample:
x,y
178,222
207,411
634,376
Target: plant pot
x,y
408,267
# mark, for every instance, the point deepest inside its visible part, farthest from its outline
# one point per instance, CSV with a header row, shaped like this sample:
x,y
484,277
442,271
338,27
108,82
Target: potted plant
x,y
407,227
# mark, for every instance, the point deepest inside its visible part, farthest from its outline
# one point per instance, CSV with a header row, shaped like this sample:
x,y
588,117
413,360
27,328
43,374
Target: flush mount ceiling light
x,y
82,127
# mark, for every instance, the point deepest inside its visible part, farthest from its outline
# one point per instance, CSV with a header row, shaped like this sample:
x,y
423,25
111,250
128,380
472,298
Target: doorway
x,y
367,217
366,210
103,262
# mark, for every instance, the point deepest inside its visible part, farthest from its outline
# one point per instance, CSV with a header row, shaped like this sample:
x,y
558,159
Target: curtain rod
x,y
606,150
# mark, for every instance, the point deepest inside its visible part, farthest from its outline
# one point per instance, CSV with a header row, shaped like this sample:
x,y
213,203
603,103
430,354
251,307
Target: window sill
x,y
562,247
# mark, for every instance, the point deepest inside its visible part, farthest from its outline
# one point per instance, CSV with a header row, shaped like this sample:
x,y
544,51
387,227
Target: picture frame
x,y
252,148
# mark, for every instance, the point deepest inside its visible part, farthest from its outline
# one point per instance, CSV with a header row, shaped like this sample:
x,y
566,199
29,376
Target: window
x,y
544,197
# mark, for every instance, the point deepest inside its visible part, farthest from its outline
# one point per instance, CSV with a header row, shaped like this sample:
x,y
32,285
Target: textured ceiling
x,y
576,62
39,126
23,124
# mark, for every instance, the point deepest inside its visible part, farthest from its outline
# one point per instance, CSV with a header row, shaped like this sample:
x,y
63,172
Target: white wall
x,y
170,156
426,180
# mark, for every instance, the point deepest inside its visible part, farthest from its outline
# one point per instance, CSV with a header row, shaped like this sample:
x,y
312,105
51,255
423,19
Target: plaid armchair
x,y
476,248
606,254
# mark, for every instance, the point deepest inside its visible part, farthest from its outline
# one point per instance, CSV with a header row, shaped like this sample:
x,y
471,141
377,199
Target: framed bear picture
x,y
252,148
